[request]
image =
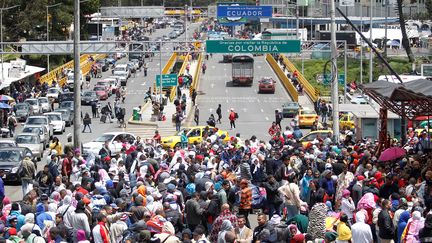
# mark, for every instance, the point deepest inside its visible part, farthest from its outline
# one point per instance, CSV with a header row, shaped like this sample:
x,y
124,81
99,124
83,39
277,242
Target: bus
x,y
242,69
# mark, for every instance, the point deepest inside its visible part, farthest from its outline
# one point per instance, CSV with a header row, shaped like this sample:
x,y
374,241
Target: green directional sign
x,y
253,46
168,80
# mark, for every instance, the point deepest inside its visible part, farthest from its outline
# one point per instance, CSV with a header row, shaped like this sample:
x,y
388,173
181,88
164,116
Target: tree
x,y
405,41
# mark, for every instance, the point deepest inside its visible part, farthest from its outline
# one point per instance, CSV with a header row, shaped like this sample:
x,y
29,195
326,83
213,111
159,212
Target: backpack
x,y
236,115
53,168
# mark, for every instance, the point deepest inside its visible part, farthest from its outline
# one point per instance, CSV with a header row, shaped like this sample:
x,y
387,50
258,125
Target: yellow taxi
x,y
194,134
323,134
306,117
346,122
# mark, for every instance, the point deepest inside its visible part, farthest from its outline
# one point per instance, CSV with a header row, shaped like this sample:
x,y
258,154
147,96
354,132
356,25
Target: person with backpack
x,y
177,120
233,116
278,118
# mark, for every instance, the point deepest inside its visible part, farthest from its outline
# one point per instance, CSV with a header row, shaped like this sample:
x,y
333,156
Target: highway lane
x,y
256,111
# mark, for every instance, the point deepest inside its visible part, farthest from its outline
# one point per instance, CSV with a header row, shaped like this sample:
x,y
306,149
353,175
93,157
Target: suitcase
x,y
103,118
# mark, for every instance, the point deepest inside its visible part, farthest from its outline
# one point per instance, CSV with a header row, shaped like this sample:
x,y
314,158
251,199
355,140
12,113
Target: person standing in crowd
x,y
193,212
12,123
385,223
27,171
264,232
278,118
232,118
193,96
245,200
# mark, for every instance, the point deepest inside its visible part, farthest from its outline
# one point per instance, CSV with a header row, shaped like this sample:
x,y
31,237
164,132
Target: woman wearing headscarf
x,y
168,234
7,207
304,184
414,225
425,234
403,221
225,227
347,204
367,202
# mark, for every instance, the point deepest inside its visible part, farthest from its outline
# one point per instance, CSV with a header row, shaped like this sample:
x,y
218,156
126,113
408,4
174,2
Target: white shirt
x,y
348,207
361,232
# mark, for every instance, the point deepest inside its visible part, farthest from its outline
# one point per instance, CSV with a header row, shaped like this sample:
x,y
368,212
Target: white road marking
x,y
258,101
255,91
211,110
226,101
213,66
259,66
143,84
212,85
244,110
266,118
262,110
226,91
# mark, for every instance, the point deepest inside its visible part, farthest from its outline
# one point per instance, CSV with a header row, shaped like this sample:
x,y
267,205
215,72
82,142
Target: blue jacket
x,y
2,189
42,216
403,221
20,219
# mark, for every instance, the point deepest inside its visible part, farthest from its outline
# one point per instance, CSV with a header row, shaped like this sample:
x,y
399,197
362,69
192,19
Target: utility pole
x,y
361,43
186,8
1,36
334,72
371,40
47,16
297,21
386,3
77,78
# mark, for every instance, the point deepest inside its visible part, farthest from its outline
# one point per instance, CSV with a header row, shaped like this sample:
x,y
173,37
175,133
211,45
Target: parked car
x,y
56,121
101,91
39,130
53,94
40,120
66,96
10,162
22,111
34,106
67,105
7,144
107,85
115,141
67,116
103,64
32,142
359,100
88,97
44,104
266,85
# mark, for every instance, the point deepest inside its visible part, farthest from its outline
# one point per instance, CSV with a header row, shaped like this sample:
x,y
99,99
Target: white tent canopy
x,y
392,34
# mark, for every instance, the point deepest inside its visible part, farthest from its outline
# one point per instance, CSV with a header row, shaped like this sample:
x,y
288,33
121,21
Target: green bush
x,y
312,68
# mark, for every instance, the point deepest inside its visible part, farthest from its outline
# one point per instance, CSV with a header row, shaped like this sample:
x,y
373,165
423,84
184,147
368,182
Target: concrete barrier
x,y
307,87
292,91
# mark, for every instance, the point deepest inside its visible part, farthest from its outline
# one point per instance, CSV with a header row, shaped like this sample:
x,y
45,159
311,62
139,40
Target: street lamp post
x,y
1,35
47,16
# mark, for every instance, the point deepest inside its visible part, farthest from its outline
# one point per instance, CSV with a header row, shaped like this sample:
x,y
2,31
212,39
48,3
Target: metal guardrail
x,y
292,91
181,71
197,74
85,69
308,88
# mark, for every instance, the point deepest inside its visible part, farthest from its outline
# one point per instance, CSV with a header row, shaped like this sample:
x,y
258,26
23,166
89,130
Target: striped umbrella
x,y
6,98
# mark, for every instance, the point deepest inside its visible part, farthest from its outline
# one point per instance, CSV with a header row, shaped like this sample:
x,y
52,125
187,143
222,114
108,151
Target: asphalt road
x,y
135,90
256,111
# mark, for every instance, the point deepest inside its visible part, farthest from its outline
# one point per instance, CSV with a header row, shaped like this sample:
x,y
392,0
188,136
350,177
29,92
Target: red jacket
x,y
232,116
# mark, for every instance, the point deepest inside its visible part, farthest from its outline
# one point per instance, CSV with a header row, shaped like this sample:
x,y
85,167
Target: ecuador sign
x,y
252,46
168,80
245,11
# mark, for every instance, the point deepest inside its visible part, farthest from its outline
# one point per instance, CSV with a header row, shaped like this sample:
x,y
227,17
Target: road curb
x,y
144,123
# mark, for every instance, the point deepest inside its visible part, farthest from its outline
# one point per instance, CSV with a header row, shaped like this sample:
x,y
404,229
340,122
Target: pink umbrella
x,y
392,153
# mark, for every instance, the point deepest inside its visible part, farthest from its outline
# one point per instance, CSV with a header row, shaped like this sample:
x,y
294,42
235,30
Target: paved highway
x,y
256,111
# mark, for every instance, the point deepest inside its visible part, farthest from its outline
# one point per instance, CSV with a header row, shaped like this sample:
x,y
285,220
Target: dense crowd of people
x,y
206,192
